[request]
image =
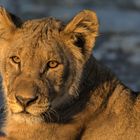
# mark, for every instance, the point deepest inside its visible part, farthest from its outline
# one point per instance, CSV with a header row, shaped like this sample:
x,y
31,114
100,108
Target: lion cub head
x,y
42,62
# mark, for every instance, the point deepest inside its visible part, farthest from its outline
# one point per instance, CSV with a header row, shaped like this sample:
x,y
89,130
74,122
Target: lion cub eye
x,y
52,64
15,59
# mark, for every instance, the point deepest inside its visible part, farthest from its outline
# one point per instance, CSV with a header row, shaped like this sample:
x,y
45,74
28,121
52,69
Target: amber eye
x,y
52,64
15,59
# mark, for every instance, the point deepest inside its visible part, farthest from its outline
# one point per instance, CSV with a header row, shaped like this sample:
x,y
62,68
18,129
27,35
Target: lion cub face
x,y
42,63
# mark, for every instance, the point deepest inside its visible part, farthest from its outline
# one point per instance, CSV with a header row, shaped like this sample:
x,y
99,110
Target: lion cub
x,y
54,88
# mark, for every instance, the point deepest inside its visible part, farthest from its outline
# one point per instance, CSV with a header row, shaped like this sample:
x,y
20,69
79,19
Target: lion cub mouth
x,y
27,113
30,111
23,113
31,117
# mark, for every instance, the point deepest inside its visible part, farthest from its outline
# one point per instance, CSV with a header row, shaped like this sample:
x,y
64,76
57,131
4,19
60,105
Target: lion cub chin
x,y
54,89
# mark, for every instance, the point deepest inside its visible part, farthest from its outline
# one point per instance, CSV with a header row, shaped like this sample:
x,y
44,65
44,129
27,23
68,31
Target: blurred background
x,y
118,44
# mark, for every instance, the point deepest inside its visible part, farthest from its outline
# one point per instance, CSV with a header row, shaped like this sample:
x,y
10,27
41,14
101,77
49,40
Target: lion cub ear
x,y
83,29
8,23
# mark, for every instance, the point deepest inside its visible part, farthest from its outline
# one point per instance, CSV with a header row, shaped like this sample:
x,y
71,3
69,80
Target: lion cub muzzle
x,y
26,93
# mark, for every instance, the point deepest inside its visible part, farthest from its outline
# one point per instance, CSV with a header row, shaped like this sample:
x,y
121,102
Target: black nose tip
x,y
26,101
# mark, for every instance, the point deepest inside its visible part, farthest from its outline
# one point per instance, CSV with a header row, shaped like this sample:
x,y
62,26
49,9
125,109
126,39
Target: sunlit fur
x,y
78,99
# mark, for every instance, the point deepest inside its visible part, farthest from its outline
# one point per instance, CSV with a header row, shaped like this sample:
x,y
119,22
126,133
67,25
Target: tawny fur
x,y
88,101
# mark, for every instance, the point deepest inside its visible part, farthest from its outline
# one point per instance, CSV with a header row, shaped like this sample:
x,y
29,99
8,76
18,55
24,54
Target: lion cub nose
x,y
26,101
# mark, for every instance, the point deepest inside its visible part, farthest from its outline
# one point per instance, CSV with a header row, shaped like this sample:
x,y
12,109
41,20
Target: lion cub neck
x,y
42,131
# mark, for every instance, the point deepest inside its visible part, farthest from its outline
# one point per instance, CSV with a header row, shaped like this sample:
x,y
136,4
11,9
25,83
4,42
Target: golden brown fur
x,y
54,88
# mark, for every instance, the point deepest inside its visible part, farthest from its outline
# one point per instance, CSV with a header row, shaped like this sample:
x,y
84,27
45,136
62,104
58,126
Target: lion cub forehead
x,y
35,33
41,34
41,25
